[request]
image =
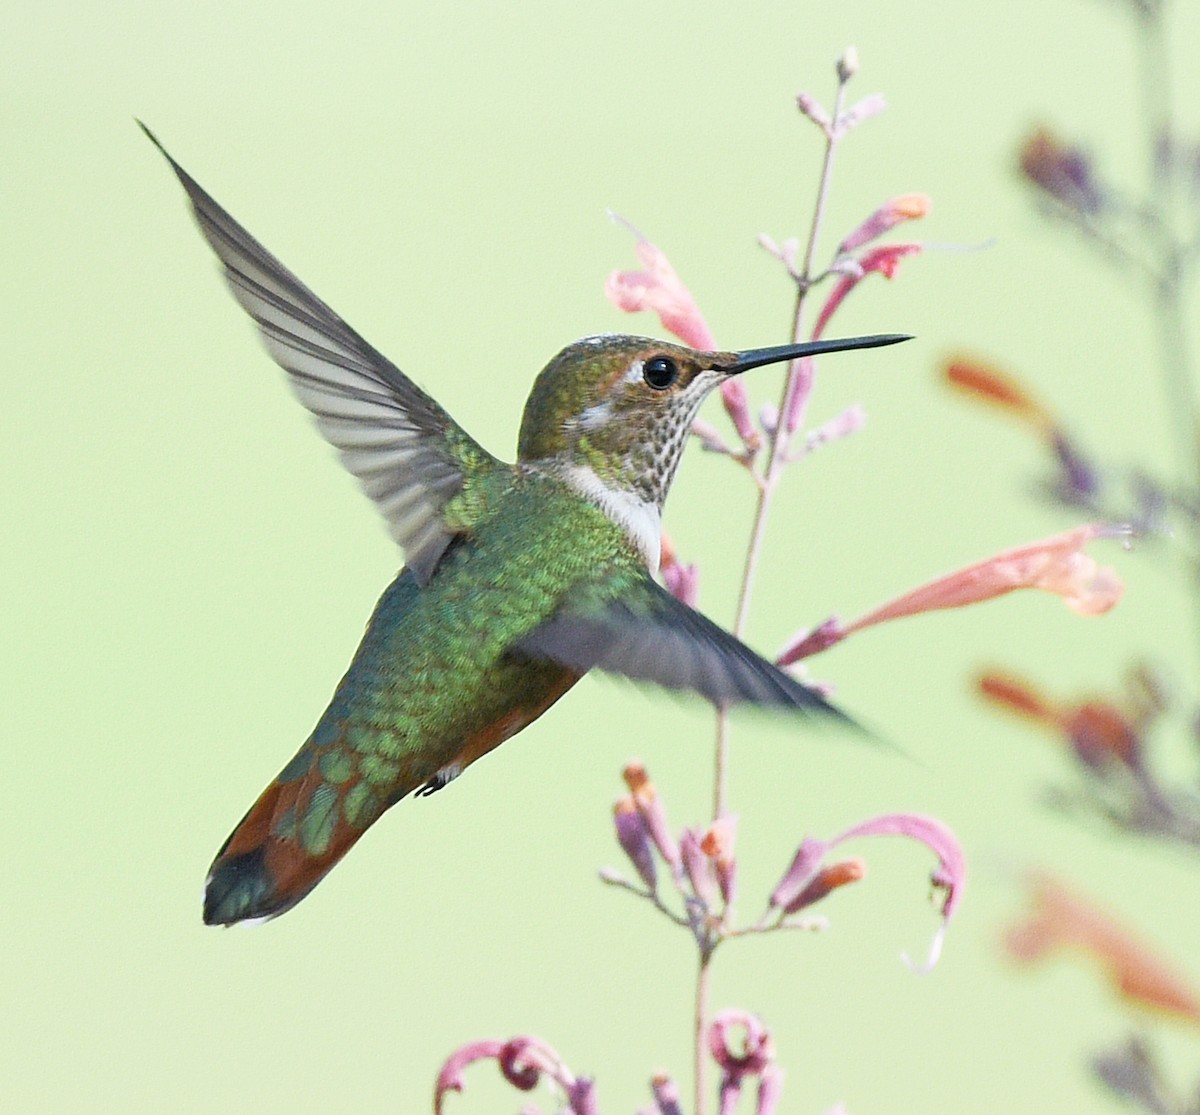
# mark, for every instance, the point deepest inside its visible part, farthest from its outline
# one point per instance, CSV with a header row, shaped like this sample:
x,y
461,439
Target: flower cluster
x,y
526,1062
701,867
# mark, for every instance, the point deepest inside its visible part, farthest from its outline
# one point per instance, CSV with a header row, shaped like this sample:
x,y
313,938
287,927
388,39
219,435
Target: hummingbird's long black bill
x,y
756,357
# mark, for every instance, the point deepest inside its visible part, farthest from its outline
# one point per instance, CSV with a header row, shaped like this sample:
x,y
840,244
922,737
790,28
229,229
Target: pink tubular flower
x,y
1063,920
666,1094
634,839
885,259
681,581
717,843
700,869
737,405
826,881
906,207
654,813
660,289
1056,564
804,882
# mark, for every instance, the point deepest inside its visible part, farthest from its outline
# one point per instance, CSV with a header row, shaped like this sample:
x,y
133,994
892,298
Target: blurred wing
x,y
406,451
644,633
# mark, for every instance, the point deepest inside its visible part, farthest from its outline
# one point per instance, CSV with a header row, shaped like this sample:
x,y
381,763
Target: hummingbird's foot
x,y
444,777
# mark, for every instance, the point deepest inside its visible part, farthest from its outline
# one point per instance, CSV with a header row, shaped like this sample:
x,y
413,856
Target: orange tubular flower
x,y
1063,920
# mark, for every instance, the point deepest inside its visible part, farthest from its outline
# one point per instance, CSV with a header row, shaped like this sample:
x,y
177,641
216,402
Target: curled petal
x,y
757,1049
949,876
988,384
884,259
660,289
1063,920
522,1060
1057,564
450,1078
906,207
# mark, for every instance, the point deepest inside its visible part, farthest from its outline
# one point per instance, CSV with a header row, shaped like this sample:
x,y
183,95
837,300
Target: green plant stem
x,y
776,458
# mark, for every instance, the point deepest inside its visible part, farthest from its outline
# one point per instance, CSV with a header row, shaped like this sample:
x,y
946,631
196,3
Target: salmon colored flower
x,y
988,384
1061,920
884,259
826,881
1098,730
1056,564
660,289
906,207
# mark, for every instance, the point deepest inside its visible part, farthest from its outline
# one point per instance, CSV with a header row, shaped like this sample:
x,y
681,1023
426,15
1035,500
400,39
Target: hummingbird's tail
x,y
301,825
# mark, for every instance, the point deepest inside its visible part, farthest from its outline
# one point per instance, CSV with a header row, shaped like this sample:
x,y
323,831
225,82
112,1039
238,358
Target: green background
x,y
186,570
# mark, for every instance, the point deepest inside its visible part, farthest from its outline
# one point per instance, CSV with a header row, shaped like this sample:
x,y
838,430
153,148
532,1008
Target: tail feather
x,y
290,839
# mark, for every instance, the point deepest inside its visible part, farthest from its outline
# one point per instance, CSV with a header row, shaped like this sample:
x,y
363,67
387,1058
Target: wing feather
x,y
640,631
408,454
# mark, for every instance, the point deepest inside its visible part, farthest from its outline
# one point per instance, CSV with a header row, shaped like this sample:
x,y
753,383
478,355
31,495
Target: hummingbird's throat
x,y
639,518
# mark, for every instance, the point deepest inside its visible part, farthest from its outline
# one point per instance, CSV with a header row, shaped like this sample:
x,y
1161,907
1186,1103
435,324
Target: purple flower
x,y
634,839
1062,171
654,813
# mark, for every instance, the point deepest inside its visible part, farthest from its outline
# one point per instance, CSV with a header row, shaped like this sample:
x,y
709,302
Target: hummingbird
x,y
517,579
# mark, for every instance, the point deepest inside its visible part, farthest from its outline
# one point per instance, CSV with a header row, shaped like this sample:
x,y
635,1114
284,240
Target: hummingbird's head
x,y
611,415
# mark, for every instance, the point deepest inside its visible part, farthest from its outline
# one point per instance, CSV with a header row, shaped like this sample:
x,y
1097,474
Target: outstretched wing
x,y
632,626
408,454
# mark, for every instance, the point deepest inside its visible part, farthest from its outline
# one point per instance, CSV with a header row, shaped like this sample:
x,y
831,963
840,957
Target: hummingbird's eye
x,y
660,372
